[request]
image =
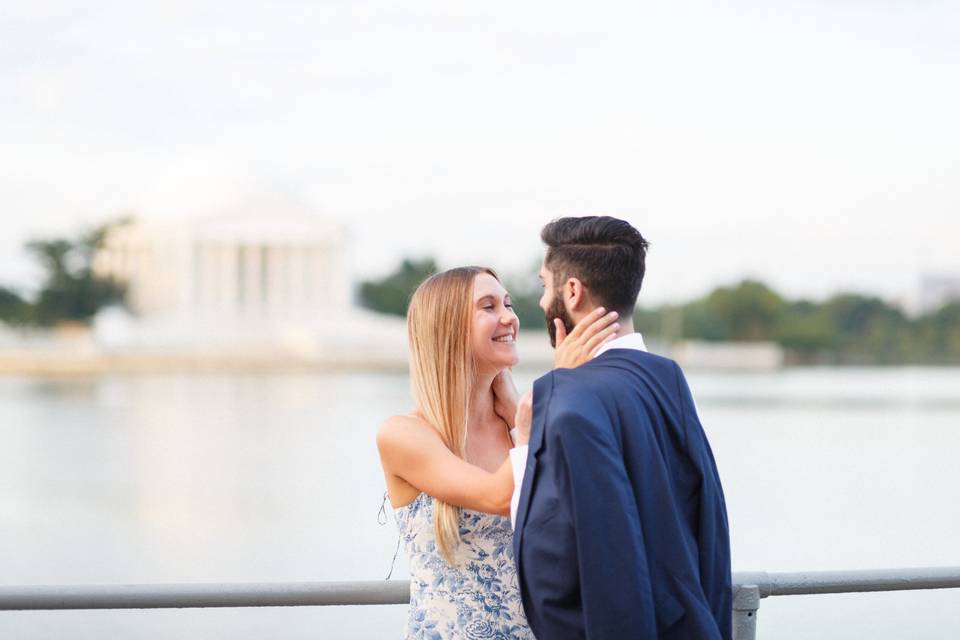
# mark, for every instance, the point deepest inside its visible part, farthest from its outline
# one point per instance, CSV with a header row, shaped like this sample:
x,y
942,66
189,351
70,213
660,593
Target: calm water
x,y
275,478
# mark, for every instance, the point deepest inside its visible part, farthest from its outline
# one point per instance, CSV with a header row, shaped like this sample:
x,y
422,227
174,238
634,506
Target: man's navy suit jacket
x,y
622,528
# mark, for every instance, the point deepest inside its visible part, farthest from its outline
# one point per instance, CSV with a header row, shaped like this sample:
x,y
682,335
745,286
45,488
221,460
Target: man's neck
x,y
626,325
626,328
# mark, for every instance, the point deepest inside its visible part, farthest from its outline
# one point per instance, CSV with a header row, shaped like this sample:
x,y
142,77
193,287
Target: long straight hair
x,y
443,371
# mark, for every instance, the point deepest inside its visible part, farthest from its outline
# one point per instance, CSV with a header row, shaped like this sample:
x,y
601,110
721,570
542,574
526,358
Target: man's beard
x,y
554,311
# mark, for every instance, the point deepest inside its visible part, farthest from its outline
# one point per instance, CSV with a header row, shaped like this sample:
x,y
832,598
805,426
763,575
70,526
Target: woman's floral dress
x,y
478,599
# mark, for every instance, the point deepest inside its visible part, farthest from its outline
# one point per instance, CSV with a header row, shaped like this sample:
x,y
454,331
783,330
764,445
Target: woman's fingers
x,y
584,325
596,326
586,338
597,341
561,331
601,325
601,336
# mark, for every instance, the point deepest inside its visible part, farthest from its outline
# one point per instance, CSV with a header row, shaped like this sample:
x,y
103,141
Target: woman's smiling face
x,y
495,326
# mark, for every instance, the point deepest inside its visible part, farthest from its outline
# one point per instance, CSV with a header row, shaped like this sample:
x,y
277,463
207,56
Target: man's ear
x,y
574,294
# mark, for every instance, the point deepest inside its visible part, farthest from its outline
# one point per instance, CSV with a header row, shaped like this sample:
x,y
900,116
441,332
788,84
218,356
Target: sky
x,y
813,144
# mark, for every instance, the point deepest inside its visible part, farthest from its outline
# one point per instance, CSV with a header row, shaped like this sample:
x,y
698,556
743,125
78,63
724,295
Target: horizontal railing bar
x,y
378,592
202,595
816,582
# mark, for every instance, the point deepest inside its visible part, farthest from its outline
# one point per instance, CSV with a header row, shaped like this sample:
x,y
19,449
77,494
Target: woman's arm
x,y
414,452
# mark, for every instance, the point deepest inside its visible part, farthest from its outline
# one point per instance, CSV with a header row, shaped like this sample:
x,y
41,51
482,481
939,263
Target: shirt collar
x,y
629,341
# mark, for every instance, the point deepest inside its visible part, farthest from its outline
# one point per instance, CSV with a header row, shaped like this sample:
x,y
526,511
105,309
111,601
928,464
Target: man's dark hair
x,y
606,254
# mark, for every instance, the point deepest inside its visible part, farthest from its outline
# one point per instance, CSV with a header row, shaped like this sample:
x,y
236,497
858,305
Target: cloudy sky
x,y
811,143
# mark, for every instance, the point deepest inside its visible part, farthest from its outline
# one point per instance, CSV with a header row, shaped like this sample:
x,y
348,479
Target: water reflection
x,y
171,478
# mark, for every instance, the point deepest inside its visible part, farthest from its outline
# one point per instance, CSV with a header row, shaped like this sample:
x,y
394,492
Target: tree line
x,y
847,328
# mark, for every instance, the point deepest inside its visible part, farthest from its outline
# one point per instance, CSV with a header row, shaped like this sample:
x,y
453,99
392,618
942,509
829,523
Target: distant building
x,y
237,268
249,290
936,291
263,286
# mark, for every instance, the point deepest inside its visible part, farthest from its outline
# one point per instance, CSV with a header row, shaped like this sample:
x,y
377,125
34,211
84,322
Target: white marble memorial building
x,y
245,268
262,281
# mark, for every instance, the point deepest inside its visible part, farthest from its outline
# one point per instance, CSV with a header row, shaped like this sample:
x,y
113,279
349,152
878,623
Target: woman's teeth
x,y
504,339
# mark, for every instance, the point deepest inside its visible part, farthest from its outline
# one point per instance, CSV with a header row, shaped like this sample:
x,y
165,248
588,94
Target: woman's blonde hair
x,y
442,372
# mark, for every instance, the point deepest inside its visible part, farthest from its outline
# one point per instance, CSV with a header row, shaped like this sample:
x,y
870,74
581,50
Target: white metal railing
x,y
748,589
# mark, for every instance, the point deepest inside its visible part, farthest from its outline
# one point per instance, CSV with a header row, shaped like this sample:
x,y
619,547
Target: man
x,y
621,527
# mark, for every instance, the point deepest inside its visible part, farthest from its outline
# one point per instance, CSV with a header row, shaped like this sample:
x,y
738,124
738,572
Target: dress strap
x,y
382,520
382,514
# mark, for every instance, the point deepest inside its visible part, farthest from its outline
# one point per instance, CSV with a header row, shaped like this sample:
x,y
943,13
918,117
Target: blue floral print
x,y
476,599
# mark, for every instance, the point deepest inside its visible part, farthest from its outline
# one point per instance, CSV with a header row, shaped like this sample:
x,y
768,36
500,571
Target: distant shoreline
x,y
147,364
140,364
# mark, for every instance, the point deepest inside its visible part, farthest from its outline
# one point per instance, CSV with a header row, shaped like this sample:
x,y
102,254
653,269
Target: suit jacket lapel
x,y
542,389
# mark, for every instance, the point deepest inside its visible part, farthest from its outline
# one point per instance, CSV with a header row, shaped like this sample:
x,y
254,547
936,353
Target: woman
x,y
446,464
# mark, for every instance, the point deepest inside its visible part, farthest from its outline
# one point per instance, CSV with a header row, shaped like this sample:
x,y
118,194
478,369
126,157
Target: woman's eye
x,y
508,305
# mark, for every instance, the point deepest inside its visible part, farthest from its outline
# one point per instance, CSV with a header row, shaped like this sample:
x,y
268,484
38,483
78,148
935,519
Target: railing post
x,y
746,601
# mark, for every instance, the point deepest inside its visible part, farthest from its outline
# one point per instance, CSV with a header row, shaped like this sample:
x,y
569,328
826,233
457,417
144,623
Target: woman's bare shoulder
x,y
404,430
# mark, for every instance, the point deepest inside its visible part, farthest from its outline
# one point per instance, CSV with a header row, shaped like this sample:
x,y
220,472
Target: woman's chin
x,y
499,364
510,362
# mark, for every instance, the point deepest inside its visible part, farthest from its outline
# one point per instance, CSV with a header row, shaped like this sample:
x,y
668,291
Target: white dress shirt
x,y
518,455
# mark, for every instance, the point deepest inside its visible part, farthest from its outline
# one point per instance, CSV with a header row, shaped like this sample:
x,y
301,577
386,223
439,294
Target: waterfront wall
x,y
117,342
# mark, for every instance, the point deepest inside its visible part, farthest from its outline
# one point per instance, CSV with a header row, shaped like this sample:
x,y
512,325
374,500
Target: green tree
x,y
805,328
71,290
13,308
868,330
750,310
704,321
938,335
392,293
